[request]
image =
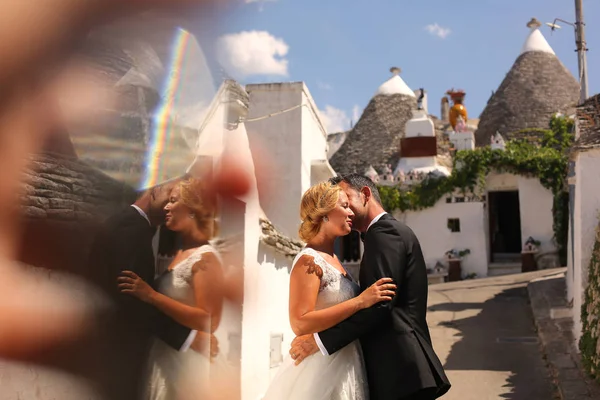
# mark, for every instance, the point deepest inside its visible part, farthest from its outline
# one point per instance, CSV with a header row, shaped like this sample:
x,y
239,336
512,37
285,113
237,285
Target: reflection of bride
x,y
190,292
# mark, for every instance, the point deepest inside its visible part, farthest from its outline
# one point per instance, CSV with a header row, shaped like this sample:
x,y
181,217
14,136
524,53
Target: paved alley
x,y
484,334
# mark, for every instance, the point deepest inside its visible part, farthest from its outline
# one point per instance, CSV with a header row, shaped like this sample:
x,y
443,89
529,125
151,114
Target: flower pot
x,y
528,262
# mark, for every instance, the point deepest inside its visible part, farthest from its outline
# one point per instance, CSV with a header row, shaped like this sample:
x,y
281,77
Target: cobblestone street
x,y
484,333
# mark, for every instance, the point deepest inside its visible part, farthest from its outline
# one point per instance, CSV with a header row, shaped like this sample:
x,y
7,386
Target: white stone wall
x,y
25,381
431,227
295,144
501,182
290,142
238,142
314,144
265,314
586,208
59,291
535,204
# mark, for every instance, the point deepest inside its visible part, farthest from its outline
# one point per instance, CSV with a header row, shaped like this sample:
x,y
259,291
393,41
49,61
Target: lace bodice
x,y
177,283
335,287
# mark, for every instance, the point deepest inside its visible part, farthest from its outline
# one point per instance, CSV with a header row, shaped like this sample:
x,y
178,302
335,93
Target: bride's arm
x,y
305,280
206,282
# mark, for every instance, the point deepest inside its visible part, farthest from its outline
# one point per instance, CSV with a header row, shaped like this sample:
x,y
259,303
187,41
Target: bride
x,y
322,294
190,292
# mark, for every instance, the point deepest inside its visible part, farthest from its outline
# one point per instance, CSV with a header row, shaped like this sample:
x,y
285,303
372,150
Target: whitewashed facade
x,y
585,217
470,228
282,124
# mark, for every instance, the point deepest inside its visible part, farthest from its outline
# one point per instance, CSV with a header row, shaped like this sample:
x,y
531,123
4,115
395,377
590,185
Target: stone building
x,y
375,139
536,87
494,224
584,203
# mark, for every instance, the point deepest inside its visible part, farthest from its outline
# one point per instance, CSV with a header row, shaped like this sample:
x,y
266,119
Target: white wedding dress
x,y
340,376
176,375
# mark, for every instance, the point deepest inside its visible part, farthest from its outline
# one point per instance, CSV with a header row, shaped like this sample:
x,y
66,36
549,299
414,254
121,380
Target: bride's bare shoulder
x,y
306,265
207,262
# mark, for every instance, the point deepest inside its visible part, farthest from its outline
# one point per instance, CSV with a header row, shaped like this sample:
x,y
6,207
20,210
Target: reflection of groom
x,y
400,361
126,243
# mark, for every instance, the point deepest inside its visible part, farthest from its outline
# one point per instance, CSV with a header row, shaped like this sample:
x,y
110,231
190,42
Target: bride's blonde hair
x,y
195,196
316,202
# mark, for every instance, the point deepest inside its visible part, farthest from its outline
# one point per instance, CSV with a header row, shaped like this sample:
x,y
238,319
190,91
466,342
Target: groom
x,y
126,243
400,361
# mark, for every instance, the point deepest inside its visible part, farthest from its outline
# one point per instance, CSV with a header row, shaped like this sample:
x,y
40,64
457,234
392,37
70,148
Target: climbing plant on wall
x,y
544,158
590,315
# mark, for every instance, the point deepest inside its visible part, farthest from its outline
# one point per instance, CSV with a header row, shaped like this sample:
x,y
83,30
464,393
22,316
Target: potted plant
x,y
454,258
530,249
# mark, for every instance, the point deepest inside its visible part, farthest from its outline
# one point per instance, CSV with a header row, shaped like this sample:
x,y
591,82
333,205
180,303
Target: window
x,y
276,357
448,199
454,224
235,348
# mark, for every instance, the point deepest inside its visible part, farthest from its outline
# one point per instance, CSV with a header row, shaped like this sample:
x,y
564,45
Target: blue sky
x,y
343,49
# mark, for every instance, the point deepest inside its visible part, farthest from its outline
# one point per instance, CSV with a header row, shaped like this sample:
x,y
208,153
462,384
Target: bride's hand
x,y
133,285
382,290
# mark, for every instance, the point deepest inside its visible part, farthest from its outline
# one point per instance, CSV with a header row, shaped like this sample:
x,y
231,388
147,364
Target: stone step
x,y
498,269
506,257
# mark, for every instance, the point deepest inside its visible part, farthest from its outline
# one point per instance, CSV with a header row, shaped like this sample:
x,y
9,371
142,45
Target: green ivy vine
x,y
544,157
590,311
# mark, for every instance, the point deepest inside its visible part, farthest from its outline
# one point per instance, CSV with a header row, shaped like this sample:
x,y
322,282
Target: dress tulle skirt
x,y
175,375
340,376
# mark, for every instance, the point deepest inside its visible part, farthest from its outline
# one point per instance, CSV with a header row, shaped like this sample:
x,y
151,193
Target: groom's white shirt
x,y
190,339
316,335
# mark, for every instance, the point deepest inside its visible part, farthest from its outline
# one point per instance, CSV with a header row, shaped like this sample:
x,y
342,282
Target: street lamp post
x,y
579,28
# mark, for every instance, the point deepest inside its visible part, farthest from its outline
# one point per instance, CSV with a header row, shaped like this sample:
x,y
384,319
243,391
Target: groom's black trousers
x,y
424,394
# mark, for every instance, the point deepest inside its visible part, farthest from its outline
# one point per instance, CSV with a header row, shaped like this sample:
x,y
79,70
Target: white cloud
x,y
253,53
356,113
336,120
437,30
324,86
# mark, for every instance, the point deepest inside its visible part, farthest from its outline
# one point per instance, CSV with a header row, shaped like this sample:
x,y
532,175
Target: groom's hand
x,y
302,347
205,342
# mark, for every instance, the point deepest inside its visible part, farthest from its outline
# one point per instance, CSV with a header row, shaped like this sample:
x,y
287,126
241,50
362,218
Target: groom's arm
x,y
175,335
121,249
385,256
168,330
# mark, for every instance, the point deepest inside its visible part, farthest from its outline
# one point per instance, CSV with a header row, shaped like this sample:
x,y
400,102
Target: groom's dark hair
x,y
357,182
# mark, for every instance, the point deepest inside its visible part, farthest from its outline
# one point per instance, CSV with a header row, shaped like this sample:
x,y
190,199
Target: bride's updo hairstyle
x,y
193,195
316,202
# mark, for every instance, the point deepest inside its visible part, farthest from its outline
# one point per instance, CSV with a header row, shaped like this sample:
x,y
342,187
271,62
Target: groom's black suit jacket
x,y
399,356
125,243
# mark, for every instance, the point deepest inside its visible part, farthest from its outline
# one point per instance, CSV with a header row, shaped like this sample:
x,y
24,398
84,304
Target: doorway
x,y
505,226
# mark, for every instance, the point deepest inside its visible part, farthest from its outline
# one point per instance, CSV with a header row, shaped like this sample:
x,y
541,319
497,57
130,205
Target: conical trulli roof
x,y
375,139
537,86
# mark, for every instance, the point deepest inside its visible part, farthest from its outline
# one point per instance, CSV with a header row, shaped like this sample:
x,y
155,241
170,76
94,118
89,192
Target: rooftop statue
x,y
420,99
497,141
458,109
461,125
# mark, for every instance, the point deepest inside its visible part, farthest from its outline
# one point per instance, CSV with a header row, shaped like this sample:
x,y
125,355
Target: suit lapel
x,y
384,217
363,236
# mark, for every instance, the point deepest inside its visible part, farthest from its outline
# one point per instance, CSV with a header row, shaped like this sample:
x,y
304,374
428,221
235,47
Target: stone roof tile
x,y
537,86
